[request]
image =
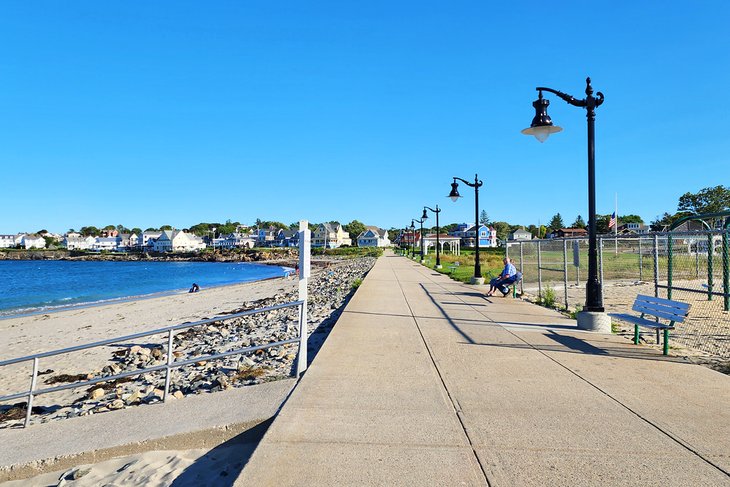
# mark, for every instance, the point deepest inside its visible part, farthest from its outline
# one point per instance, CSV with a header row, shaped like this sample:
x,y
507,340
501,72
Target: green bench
x,y
660,309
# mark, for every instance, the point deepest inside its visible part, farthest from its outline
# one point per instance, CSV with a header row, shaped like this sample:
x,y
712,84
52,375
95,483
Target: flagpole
x,y
615,226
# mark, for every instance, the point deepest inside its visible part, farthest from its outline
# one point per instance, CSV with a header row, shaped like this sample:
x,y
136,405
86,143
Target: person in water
x,y
194,289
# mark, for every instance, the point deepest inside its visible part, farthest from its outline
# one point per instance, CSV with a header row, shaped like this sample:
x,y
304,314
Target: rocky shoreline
x,y
243,255
331,285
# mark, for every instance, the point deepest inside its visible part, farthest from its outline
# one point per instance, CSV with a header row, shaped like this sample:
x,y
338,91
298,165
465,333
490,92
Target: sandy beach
x,y
43,332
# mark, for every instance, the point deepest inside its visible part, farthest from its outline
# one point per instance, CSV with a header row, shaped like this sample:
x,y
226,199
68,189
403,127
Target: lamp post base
x,y
479,281
594,321
439,266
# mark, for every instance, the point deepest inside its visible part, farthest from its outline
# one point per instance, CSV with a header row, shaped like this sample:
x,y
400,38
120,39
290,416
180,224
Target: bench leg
x,y
666,341
657,336
636,334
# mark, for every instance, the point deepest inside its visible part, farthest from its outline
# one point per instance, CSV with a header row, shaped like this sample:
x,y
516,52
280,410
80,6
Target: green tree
x,y
136,230
534,231
707,200
354,228
166,227
542,231
630,219
200,229
450,228
89,231
556,222
484,218
579,222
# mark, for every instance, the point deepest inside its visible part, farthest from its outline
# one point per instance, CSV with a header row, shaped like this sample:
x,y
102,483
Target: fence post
x,y
670,264
656,266
710,267
697,259
565,271
522,281
726,268
305,243
641,261
29,411
539,271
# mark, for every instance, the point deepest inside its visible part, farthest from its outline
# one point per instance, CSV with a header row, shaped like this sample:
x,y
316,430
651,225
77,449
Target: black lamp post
x,y
438,231
413,239
420,236
454,195
541,127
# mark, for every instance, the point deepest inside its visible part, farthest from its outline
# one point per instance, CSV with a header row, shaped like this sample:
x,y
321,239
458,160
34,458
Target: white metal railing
x,y
304,273
170,364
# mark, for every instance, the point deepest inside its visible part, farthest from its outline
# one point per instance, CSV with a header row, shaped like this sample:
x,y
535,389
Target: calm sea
x,y
32,286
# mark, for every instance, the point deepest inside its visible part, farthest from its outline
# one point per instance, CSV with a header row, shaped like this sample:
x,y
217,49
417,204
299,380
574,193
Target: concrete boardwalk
x,y
424,381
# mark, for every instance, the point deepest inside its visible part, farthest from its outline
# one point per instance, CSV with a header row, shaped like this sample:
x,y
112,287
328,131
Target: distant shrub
x,y
548,297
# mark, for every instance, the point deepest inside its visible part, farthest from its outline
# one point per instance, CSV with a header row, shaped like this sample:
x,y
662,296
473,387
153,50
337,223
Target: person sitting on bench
x,y
508,276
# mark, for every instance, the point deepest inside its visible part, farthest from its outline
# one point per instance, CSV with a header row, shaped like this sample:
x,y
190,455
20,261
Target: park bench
x,y
660,309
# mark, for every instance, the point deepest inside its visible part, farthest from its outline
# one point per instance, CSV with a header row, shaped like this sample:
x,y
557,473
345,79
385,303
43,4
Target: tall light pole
x,y
438,231
420,236
454,195
593,316
413,239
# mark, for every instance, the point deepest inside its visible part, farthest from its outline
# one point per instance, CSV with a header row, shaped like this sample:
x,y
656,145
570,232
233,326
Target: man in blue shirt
x,y
508,276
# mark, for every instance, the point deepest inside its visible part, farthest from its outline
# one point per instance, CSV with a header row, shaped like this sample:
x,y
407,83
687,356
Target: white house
x,y
236,240
78,242
109,244
7,241
177,241
148,237
373,237
520,234
32,242
330,236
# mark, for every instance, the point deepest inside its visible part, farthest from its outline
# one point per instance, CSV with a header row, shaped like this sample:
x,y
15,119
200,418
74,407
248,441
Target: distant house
x,y
633,229
177,241
128,241
520,234
330,236
148,238
487,237
108,244
32,241
235,240
7,241
287,238
373,237
569,233
78,242
267,236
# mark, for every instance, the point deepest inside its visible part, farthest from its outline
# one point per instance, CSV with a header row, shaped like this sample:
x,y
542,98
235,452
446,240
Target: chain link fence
x,y
691,267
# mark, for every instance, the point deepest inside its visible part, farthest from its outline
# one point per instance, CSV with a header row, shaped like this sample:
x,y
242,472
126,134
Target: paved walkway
x,y
424,381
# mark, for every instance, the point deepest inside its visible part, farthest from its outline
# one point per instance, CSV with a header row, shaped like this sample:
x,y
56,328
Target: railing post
x,y
304,271
168,371
656,266
30,392
565,271
539,271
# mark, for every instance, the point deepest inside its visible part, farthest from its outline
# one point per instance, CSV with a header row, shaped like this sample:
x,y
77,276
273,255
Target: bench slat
x,y
640,321
659,313
667,302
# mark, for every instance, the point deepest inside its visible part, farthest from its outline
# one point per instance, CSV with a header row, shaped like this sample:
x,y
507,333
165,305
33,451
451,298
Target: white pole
x,y
615,226
305,243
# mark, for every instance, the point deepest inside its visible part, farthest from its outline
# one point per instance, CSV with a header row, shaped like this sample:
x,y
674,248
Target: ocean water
x,y
29,286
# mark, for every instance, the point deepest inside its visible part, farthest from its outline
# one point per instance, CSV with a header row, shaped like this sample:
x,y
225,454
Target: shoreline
x,y
33,311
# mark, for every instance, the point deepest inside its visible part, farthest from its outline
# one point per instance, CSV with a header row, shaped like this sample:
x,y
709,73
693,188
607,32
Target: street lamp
x,y
413,239
421,238
541,127
454,195
438,230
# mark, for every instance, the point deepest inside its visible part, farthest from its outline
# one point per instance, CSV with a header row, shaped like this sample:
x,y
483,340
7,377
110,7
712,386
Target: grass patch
x,y
356,283
249,372
547,298
490,260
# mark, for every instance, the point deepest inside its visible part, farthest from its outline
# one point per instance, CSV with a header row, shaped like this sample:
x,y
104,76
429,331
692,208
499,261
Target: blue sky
x,y
152,113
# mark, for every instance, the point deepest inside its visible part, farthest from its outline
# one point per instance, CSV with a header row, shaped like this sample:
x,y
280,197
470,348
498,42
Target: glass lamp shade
x,y
542,132
454,195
